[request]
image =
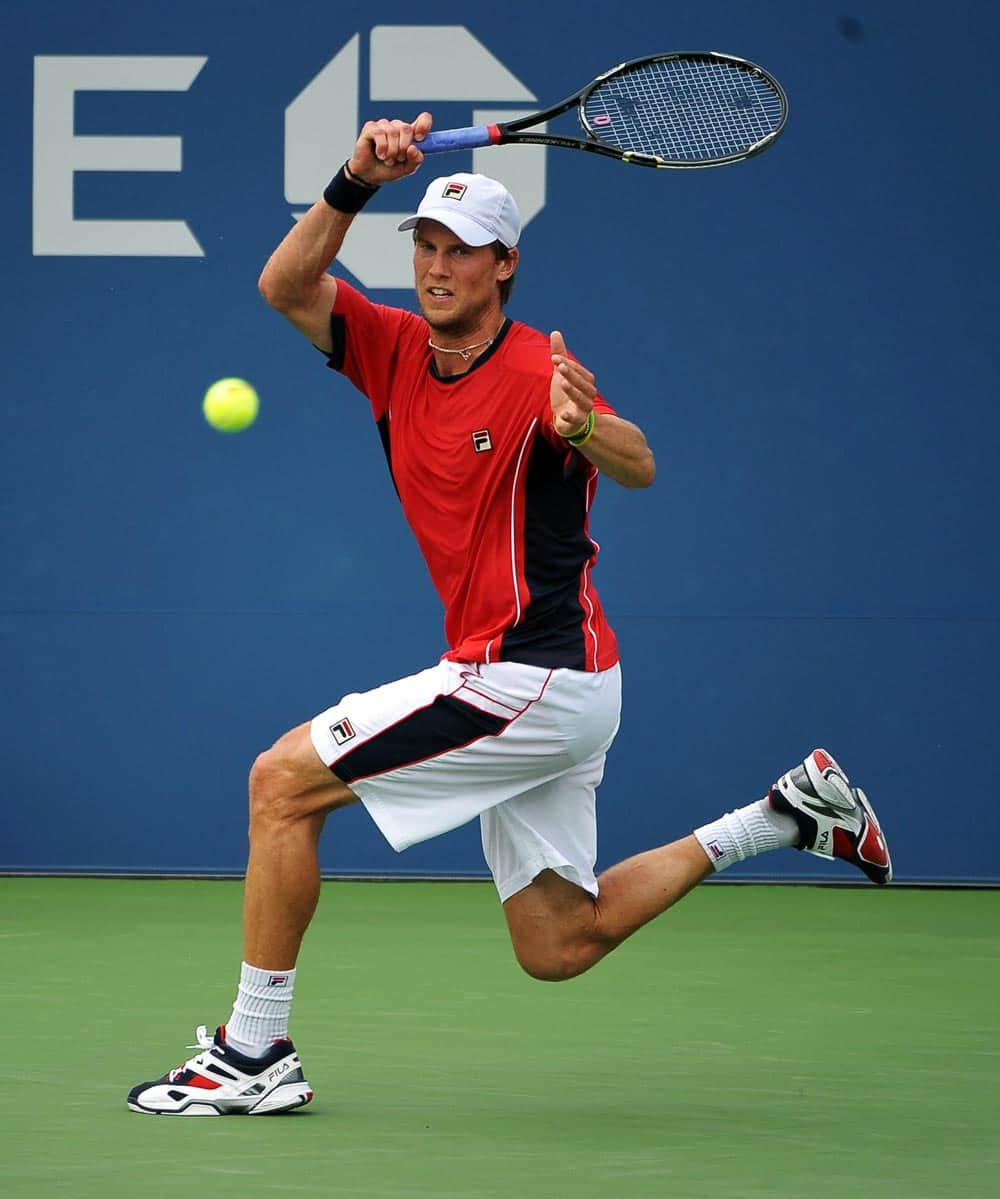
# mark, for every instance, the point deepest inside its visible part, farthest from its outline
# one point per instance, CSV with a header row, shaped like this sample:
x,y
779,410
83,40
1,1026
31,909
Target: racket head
x,y
686,109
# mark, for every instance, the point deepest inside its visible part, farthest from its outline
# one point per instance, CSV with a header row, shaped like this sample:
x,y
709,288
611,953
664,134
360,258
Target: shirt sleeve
x,y
366,342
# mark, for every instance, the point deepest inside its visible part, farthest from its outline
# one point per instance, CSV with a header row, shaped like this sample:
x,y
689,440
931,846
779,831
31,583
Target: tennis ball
x,y
230,405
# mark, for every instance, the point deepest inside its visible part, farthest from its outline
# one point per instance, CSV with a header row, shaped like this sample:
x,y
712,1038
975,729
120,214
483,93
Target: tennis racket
x,y
691,109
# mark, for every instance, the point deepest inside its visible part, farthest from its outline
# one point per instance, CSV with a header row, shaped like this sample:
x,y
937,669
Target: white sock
x,y
745,833
260,1013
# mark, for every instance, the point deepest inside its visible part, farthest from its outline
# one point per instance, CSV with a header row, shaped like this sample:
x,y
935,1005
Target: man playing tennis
x,y
495,437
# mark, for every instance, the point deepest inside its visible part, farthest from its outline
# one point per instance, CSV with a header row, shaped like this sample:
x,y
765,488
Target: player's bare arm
x,y
295,280
616,447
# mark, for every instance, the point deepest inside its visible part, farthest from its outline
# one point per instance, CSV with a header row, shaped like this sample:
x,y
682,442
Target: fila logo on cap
x,y
454,191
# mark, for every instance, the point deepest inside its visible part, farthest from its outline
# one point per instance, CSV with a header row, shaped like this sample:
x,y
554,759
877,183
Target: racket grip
x,y
457,139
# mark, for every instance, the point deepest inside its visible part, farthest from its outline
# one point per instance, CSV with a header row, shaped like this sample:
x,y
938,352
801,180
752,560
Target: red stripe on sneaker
x,y
843,846
199,1080
823,760
872,847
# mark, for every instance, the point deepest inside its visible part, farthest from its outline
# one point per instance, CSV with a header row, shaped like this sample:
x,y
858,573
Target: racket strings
x,y
686,109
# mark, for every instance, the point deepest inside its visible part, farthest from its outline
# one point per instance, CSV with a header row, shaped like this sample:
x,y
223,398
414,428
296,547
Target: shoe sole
x,y
273,1104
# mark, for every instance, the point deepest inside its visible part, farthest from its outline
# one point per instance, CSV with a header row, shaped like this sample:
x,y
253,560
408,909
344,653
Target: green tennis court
x,y
757,1042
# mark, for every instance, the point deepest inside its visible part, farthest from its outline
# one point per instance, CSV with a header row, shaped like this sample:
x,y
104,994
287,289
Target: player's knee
x,y
553,963
273,787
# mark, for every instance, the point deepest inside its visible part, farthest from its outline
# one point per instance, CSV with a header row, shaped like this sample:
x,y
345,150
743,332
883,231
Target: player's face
x,y
457,285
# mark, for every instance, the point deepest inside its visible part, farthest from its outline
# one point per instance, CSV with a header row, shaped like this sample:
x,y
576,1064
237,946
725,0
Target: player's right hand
x,y
388,150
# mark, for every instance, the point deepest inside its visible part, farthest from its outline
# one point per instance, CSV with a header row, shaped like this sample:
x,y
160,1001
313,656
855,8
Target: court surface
x,y
756,1042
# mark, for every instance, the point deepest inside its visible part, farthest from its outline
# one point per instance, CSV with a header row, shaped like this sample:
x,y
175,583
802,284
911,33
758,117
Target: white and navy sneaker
x,y
835,819
220,1081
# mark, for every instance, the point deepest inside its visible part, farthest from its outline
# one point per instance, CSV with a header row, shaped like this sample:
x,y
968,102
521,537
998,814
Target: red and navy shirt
x,y
497,501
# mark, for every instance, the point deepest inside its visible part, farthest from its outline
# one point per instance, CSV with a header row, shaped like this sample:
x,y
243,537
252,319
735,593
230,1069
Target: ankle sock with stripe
x,y
261,1010
746,832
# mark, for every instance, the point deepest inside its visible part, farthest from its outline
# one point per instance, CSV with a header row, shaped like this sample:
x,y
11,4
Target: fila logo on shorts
x,y
342,731
481,441
454,191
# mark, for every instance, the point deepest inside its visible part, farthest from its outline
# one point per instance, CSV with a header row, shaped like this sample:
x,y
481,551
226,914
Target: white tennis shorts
x,y
521,747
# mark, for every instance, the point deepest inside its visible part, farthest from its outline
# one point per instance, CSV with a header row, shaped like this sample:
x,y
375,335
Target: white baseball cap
x,y
475,208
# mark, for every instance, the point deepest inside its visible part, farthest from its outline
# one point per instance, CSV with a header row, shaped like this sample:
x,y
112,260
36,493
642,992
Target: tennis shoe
x,y
220,1081
835,819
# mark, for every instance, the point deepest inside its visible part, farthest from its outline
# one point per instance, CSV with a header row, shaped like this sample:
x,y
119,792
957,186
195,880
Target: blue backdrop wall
x,y
808,340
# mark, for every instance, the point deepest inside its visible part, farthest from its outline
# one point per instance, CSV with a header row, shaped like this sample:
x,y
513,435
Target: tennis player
x,y
495,437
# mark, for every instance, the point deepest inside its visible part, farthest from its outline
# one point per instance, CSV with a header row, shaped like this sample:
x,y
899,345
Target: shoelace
x,y
205,1041
204,1038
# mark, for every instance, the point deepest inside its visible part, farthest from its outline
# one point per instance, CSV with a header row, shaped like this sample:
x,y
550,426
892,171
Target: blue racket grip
x,y
455,139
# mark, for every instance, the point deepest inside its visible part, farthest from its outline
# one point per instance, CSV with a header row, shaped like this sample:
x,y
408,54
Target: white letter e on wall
x,y
59,154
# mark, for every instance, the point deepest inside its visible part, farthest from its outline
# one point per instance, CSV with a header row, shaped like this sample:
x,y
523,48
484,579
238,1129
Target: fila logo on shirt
x,y
342,731
481,441
454,191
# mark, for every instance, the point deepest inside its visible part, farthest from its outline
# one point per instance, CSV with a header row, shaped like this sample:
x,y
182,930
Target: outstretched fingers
x,y
573,390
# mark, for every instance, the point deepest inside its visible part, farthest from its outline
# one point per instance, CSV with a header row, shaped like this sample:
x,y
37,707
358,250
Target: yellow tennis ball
x,y
230,405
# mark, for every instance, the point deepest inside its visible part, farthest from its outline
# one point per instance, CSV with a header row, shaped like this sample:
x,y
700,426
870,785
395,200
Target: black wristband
x,y
347,194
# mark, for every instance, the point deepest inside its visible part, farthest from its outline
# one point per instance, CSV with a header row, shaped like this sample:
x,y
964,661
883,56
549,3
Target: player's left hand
x,y
572,391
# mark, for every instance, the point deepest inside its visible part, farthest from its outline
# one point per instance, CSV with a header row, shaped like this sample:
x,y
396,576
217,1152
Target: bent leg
x,y
291,792
559,930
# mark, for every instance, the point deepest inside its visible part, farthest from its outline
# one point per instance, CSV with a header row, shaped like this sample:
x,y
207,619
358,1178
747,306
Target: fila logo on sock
x,y
278,980
481,441
342,731
454,191
716,850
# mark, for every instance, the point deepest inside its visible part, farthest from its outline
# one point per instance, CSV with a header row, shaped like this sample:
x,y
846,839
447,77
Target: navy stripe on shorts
x,y
441,726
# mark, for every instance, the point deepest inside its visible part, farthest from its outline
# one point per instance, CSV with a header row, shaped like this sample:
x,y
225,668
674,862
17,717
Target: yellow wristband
x,y
583,434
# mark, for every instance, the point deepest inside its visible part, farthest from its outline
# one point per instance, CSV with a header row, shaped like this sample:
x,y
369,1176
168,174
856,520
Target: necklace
x,y
466,351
